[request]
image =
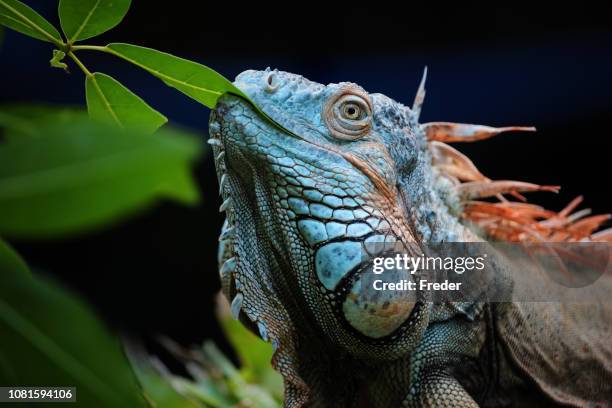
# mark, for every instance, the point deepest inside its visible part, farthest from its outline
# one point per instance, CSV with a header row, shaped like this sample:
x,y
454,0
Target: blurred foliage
x,y
73,177
255,357
51,338
64,170
10,261
29,120
215,382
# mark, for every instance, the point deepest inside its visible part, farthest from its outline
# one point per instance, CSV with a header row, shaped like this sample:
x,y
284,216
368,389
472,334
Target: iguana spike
x,y
229,266
482,189
227,233
463,132
237,305
587,225
578,215
263,330
214,142
420,96
222,183
571,206
225,204
455,163
603,236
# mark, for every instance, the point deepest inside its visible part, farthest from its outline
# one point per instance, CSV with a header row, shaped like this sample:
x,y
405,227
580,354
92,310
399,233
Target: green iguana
x,y
342,167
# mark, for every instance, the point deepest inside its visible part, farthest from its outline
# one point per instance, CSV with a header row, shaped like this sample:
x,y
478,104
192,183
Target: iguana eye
x,y
348,114
351,111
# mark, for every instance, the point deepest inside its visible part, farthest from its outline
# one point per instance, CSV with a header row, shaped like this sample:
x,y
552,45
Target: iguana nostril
x,y
271,82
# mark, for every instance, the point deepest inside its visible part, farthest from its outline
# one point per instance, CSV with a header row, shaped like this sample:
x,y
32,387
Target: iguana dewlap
x,y
341,168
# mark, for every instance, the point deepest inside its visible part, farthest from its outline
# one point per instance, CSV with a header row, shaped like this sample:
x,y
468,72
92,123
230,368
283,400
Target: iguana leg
x,y
425,379
439,389
428,388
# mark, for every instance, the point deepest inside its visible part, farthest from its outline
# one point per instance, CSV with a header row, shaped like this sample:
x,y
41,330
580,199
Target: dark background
x,y
496,65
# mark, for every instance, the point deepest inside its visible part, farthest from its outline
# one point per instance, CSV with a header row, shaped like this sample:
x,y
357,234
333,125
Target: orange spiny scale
x,y
525,206
455,171
495,209
514,233
589,224
494,229
562,236
514,194
513,230
534,211
527,212
501,198
482,189
458,172
579,214
454,162
603,236
463,132
561,221
518,196
571,206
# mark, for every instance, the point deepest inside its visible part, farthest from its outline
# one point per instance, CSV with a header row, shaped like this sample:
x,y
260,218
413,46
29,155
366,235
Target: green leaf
x,y
19,17
255,356
50,338
195,80
157,388
11,261
82,19
109,101
82,175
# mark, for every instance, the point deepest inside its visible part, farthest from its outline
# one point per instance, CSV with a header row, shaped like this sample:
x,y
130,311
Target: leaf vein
x,y
84,23
106,102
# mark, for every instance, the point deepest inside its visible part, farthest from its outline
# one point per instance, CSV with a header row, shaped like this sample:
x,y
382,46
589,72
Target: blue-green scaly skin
x,y
300,210
301,203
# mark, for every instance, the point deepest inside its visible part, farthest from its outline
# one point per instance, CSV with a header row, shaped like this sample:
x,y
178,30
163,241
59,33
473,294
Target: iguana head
x,y
314,194
309,198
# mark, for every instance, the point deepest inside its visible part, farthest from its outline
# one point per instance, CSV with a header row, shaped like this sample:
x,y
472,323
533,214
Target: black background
x,y
496,65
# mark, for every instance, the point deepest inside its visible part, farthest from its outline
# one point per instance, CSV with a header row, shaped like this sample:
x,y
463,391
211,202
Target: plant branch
x,y
89,47
79,64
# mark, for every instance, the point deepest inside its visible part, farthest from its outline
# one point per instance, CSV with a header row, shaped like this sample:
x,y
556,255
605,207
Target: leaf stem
x,y
88,47
60,44
79,64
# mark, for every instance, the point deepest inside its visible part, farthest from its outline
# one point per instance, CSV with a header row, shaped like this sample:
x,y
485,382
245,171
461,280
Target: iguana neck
x,y
432,205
